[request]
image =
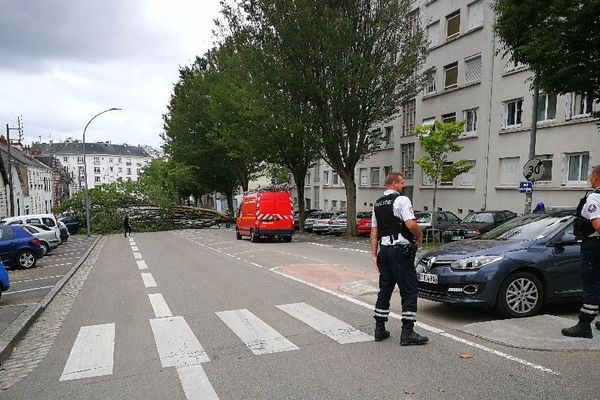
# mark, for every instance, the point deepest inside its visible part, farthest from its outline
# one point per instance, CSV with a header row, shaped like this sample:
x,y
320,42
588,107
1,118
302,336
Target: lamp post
x,y
85,178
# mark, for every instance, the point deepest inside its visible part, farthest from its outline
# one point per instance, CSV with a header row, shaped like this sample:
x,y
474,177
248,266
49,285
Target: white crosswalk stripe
x,y
328,325
148,280
176,343
92,353
196,385
142,264
159,305
259,337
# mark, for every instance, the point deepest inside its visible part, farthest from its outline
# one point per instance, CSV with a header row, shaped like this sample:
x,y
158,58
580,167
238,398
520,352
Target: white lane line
x,y
256,265
328,325
159,305
176,343
92,353
422,325
195,383
27,290
148,280
357,250
38,279
320,244
137,256
249,251
259,337
134,248
142,264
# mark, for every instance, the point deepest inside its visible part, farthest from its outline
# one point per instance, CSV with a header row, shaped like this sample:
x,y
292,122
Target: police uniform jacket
x,y
591,209
402,209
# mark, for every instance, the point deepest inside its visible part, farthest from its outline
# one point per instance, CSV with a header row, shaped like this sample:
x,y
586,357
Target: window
x,y
317,175
513,65
446,182
110,160
120,169
451,76
119,160
470,117
335,178
79,160
468,178
427,181
96,170
580,105
578,168
342,205
111,169
512,110
128,171
307,179
386,170
334,204
364,176
408,118
96,179
428,122
510,170
96,160
450,117
325,204
138,171
473,69
407,157
388,137
453,25
430,87
65,159
325,177
547,163
375,176
81,171
546,109
433,34
475,14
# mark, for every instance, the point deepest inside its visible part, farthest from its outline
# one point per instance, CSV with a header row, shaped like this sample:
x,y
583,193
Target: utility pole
x,y
532,139
11,208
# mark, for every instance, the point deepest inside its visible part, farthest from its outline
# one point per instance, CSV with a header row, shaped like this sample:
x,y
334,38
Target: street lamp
x,y
85,178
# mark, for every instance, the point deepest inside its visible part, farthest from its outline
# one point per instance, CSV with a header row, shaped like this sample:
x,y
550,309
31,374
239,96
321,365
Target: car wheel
x,y
520,295
254,236
46,247
238,236
26,259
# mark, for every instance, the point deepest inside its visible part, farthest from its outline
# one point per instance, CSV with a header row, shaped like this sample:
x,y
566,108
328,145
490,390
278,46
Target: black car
x,y
516,267
72,223
475,224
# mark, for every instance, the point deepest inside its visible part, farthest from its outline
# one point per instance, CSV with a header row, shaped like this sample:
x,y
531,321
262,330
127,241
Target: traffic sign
x,y
525,187
533,170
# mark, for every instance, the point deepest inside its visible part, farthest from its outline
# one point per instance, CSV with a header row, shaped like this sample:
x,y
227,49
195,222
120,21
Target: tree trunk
x,y
299,179
348,179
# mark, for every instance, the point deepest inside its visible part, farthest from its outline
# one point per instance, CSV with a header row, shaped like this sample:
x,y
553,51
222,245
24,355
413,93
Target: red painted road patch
x,y
326,275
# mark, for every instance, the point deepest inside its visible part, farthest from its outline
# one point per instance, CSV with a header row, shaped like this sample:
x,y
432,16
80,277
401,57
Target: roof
x,y
76,148
18,155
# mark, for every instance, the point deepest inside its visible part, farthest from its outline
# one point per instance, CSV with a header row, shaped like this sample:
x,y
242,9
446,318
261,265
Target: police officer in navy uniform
x,y
588,228
396,233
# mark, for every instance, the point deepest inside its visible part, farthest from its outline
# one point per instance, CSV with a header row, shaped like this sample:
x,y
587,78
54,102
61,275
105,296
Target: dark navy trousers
x,y
590,275
396,268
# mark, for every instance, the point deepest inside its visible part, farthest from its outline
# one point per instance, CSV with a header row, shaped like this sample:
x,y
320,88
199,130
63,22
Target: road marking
x,y
250,251
357,250
92,353
27,290
259,337
195,383
176,344
320,244
38,279
148,280
159,305
137,256
134,248
328,325
255,264
422,325
142,264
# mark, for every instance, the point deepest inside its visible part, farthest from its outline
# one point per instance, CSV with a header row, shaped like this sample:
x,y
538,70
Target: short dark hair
x,y
392,177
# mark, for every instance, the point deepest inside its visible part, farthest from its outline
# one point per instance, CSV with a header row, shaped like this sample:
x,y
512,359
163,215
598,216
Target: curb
x,y
14,332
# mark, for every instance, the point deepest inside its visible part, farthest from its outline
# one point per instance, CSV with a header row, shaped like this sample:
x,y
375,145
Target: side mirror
x,y
568,239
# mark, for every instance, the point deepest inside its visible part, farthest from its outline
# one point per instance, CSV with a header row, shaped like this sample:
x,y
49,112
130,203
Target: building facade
x,y
475,82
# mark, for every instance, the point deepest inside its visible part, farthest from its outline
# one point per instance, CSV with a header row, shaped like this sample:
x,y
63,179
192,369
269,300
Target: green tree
x,y
439,142
349,66
166,182
557,39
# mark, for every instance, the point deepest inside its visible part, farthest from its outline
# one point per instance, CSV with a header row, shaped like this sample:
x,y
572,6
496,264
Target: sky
x,y
64,61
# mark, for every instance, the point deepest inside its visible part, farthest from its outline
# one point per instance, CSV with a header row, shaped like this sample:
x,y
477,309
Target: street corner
x,y
332,277
541,332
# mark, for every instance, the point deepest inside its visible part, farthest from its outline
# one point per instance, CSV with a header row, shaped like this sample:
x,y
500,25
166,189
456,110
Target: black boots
x,y
582,330
380,332
409,337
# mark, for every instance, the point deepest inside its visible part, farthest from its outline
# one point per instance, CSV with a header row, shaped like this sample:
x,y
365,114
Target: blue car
x,y
19,248
4,281
516,267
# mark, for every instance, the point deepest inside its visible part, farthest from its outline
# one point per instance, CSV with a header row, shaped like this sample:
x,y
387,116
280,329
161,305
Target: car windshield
x,y
423,218
527,227
480,217
361,215
325,215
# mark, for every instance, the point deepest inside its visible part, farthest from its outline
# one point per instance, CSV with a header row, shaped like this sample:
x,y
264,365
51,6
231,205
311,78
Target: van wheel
x,y
238,236
520,295
254,236
286,239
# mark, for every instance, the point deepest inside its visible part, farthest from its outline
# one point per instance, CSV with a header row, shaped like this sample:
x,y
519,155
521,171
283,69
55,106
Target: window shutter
x,y
503,116
473,69
568,101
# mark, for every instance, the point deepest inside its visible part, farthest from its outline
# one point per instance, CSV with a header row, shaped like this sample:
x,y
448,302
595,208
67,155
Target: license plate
x,y
428,278
267,222
457,237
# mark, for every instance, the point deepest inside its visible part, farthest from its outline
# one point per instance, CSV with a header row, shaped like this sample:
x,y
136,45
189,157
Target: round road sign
x,y
533,169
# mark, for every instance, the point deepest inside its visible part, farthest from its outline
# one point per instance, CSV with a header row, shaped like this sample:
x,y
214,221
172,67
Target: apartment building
x,y
476,83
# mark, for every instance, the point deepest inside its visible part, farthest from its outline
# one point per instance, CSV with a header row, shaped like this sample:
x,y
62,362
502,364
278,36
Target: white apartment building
x,y
474,82
106,162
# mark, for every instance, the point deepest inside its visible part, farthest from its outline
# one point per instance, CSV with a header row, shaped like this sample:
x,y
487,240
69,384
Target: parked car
x,y
475,224
430,221
319,215
363,225
321,225
338,224
72,223
307,213
516,267
46,219
4,279
64,232
266,214
49,238
18,247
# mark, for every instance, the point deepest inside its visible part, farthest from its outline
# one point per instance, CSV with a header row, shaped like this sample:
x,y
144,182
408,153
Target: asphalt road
x,y
196,314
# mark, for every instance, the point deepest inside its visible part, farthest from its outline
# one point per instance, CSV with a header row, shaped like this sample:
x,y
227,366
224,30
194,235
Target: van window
x,y
49,222
33,221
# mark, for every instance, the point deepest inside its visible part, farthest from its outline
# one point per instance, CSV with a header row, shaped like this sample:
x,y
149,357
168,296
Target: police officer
x,y
588,227
393,227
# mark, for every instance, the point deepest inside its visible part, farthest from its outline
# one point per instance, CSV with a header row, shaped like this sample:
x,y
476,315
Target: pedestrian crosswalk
x,y
92,353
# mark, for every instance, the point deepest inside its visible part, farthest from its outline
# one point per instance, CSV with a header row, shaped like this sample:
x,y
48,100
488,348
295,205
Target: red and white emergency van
x,y
266,213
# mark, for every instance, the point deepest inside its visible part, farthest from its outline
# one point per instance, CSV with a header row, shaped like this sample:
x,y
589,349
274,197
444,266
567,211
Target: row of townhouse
x,y
476,83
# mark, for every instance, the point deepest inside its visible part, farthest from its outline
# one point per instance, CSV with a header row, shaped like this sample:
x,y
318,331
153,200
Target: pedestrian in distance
x,y
540,208
587,229
394,231
126,225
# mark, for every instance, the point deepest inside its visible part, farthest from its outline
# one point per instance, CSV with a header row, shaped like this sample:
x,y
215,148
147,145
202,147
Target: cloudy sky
x,y
63,61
